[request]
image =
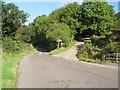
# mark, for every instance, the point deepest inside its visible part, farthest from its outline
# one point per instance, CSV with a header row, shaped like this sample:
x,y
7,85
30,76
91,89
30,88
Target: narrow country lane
x,y
40,70
70,54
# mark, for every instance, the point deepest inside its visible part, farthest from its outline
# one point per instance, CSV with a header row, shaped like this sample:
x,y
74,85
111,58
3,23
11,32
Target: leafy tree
x,y
59,30
69,15
19,33
28,34
89,18
97,17
40,26
117,15
25,33
41,22
12,18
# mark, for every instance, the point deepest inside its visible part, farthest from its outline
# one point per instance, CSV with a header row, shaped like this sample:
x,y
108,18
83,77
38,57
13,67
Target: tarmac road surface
x,y
40,70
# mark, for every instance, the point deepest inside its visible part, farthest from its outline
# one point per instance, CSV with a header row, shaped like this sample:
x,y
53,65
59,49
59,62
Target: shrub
x,y
8,45
87,41
12,46
100,41
25,33
88,51
29,34
112,47
92,52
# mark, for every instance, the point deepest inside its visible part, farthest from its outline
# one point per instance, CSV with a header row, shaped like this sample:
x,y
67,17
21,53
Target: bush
x,y
100,41
88,51
8,45
25,33
92,52
29,34
87,41
112,47
12,46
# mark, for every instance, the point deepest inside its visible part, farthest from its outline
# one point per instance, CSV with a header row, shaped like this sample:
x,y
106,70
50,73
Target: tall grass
x,y
9,67
0,67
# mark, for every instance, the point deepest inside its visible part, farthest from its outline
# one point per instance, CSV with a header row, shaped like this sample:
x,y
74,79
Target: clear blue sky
x,y
39,8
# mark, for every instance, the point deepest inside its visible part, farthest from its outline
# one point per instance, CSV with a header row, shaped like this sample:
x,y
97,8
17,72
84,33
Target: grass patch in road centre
x,y
9,68
62,49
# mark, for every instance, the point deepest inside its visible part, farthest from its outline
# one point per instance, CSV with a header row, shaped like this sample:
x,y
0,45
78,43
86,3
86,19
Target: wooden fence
x,y
111,56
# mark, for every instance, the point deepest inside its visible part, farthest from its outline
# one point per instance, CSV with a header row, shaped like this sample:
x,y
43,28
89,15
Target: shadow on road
x,y
40,49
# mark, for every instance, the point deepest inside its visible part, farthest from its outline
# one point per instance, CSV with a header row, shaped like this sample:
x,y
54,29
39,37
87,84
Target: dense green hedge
x,y
93,49
12,46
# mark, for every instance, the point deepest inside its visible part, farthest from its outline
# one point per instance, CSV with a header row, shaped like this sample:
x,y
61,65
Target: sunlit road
x,y
43,71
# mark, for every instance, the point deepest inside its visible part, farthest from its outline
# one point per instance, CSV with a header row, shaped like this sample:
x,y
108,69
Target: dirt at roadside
x,y
70,53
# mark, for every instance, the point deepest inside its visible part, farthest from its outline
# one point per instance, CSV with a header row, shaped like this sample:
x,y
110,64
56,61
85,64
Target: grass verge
x,y
62,49
9,67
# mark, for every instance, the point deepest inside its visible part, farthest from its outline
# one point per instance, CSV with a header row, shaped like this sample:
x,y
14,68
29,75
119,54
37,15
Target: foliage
x,y
87,41
28,34
41,23
112,47
12,46
90,18
69,15
19,33
9,45
100,41
9,66
117,15
88,51
61,31
117,26
12,18
25,33
47,31
40,26
97,17
92,52
72,20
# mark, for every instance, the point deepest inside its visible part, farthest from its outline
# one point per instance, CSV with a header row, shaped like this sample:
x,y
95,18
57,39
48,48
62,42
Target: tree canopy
x,y
68,22
59,30
97,17
69,15
12,18
117,15
88,18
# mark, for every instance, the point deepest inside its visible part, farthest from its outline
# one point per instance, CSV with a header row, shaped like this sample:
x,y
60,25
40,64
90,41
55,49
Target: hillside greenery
x,y
96,20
